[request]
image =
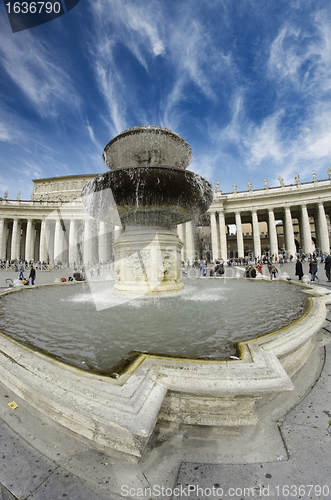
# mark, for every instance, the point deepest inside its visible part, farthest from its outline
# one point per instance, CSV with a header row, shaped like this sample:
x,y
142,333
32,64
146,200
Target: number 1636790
x,y
33,7
303,490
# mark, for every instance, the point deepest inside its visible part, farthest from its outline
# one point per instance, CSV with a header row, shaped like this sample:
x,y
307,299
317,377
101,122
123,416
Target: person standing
x,y
298,269
313,269
21,277
327,267
272,270
32,275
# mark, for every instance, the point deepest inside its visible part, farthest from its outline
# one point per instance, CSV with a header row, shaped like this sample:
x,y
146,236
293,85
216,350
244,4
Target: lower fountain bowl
x,y
160,196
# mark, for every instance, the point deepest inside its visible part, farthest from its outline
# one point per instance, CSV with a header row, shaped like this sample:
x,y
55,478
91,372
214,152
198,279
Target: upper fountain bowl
x,y
147,145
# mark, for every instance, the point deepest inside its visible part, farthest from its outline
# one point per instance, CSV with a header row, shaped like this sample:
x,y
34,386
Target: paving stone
x,y
5,494
64,485
22,468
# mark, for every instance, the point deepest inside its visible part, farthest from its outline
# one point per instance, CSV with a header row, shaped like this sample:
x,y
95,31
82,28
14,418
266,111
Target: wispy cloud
x,y
4,132
196,62
92,135
136,29
36,68
294,133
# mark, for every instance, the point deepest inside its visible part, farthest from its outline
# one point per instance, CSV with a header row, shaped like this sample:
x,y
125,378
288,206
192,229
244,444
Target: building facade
x,y
53,225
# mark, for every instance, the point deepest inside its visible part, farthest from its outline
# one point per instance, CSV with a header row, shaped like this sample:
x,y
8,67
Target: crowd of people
x,y
254,266
27,271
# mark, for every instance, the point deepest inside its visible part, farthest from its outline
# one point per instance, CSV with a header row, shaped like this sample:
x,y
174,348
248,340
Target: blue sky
x,y
246,83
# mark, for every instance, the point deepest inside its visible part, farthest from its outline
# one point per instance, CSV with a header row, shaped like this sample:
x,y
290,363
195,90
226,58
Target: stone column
x,y
214,236
103,242
221,221
323,229
87,241
190,241
15,240
50,233
256,234
2,239
306,242
73,254
240,238
42,242
272,233
58,240
289,234
29,241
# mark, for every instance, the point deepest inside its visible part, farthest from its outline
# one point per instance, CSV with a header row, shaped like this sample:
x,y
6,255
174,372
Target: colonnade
x,y
312,235
56,239
297,218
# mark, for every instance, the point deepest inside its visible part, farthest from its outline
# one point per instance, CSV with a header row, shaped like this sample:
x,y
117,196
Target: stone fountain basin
x,y
120,415
159,196
147,144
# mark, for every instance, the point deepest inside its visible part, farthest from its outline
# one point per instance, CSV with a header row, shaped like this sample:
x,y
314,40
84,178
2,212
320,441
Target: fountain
x,y
118,410
153,193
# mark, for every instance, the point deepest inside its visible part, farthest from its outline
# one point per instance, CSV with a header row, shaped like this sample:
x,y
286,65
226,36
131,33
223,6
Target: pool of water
x,y
206,320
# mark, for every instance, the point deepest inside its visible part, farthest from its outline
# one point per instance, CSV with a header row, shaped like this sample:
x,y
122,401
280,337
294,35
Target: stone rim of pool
x,y
119,415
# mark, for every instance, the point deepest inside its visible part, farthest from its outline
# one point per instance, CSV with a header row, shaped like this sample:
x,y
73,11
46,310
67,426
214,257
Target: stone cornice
x,y
274,197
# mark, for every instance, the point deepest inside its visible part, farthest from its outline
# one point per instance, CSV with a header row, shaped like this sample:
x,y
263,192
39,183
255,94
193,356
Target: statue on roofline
x,y
281,180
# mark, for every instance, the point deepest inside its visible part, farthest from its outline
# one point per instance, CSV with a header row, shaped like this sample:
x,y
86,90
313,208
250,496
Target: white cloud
x,y
4,132
92,135
37,70
264,142
195,60
296,134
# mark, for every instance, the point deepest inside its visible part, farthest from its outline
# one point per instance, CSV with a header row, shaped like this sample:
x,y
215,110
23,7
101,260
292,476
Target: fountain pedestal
x,y
147,261
151,192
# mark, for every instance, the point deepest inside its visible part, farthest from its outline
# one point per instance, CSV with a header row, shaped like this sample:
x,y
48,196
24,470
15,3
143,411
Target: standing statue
x,y
250,186
217,186
329,173
297,178
18,196
234,188
266,184
5,195
281,180
314,176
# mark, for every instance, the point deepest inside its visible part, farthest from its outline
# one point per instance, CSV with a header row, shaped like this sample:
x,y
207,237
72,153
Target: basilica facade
x,y
53,224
